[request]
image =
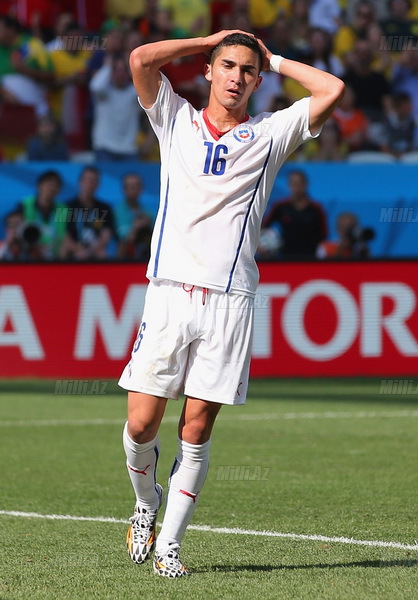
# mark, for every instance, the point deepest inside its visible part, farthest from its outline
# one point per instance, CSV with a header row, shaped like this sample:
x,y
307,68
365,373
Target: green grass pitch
x,y
324,457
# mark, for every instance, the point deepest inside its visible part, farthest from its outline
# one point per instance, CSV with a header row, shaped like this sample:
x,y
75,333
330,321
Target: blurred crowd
x,y
66,90
44,227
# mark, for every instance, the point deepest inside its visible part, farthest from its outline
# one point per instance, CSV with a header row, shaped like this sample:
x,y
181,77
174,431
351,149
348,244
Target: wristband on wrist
x,y
275,62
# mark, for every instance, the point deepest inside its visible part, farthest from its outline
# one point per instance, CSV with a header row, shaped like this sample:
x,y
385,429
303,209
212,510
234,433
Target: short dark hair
x,y
238,39
47,175
89,169
132,174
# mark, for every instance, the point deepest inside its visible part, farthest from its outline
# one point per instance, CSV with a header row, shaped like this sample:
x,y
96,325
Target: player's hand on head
x,y
216,38
267,55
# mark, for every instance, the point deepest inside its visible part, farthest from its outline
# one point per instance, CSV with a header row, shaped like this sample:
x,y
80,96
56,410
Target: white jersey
x,y
214,190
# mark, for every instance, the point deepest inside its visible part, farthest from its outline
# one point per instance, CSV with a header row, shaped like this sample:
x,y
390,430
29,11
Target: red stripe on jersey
x,y
215,133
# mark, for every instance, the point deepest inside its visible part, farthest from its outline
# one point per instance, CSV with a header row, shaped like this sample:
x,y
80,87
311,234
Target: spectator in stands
x,y
69,89
113,47
61,23
186,77
371,88
352,241
133,223
149,24
25,66
185,19
116,120
49,142
132,39
320,53
90,223
352,122
405,77
379,6
398,130
347,35
313,46
264,14
328,147
302,221
45,217
281,39
239,17
13,247
398,22
299,20
264,97
325,14
383,60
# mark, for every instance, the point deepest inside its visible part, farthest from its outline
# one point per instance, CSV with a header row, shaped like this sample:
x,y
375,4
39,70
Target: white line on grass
x,y
224,530
242,417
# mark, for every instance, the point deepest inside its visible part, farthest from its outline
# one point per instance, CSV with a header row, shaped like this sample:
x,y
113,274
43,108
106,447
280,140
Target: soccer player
x,y
218,167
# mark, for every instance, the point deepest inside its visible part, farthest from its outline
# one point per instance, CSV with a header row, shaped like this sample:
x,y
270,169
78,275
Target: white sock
x,y
186,481
141,461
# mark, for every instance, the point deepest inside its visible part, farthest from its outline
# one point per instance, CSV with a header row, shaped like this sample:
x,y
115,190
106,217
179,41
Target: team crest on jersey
x,y
244,133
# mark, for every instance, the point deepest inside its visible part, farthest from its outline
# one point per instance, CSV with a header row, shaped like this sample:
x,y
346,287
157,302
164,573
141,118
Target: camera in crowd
x,y
29,235
359,238
26,244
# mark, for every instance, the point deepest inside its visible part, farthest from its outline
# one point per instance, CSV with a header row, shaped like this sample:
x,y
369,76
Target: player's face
x,y
234,75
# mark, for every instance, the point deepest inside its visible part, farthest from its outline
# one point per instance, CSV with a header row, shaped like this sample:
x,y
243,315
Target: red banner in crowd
x,y
311,319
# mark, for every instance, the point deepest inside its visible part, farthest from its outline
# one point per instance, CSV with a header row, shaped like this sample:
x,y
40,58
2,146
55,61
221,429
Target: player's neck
x,y
224,119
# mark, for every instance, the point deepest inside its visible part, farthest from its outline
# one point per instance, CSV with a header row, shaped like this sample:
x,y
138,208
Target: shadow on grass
x,y
367,564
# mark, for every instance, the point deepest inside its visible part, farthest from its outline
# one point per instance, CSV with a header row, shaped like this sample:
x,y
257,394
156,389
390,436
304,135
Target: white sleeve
x,y
163,112
290,127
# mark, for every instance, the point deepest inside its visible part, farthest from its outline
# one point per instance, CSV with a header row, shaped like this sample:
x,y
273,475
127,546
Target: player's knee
x,y
196,431
140,431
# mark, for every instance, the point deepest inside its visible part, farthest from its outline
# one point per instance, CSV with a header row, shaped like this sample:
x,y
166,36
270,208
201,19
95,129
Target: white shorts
x,y
193,341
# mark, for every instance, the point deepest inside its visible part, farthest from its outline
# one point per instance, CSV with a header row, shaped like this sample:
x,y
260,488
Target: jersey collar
x,y
215,133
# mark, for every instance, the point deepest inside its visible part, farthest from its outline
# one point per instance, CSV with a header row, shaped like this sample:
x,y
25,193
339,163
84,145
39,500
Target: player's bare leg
x,y
141,444
186,481
145,413
197,420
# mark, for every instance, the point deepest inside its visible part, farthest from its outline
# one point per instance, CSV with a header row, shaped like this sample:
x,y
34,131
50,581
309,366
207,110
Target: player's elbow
x,y
142,57
337,90
135,59
329,92
332,94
